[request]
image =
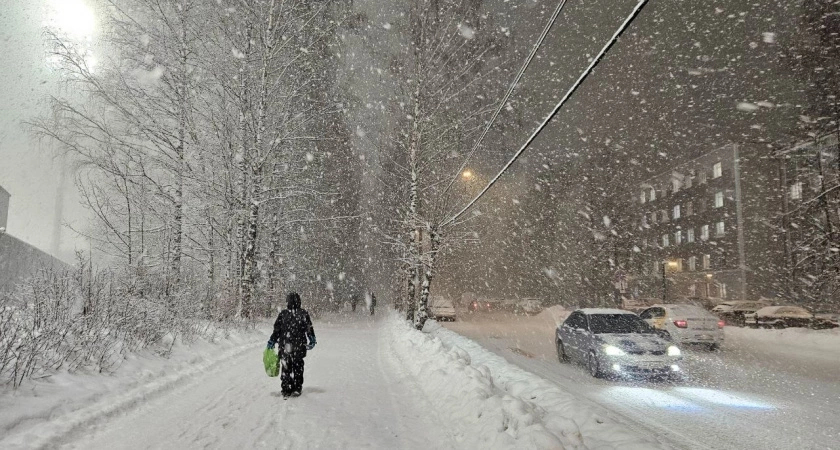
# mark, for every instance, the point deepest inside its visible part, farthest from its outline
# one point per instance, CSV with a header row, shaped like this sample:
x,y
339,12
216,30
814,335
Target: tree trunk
x,y
428,275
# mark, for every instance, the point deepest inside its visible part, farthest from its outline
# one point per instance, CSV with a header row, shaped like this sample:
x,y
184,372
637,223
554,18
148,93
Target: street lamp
x,y
708,285
467,174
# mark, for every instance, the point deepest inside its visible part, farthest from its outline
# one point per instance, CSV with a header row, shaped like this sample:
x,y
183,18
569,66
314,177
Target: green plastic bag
x,y
272,367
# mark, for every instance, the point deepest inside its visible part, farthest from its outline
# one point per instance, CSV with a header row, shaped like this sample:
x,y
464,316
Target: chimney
x,y
4,209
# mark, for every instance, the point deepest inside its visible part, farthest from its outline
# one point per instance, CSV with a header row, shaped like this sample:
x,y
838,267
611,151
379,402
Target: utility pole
x,y
664,283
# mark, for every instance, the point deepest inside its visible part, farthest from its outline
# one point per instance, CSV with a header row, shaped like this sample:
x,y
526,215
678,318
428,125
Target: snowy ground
x,y
766,389
379,384
352,398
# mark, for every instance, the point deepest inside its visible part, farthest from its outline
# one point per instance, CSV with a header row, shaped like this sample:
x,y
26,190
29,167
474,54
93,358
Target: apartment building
x,y
706,229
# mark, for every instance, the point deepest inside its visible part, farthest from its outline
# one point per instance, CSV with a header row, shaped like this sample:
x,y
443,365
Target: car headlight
x,y
674,351
612,350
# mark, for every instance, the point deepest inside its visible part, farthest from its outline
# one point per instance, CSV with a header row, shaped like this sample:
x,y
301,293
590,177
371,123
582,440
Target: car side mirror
x,y
664,334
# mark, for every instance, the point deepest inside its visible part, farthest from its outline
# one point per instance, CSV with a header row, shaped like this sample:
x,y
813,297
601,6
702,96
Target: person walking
x,y
372,302
292,329
354,300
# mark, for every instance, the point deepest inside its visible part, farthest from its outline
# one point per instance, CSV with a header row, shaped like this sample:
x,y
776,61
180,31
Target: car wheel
x,y
561,352
594,368
779,325
714,347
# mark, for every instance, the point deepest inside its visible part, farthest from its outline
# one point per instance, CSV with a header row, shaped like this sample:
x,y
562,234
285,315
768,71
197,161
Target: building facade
x,y
703,228
810,219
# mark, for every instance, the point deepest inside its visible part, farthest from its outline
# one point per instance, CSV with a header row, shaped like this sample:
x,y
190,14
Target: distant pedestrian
x,y
292,329
354,300
372,302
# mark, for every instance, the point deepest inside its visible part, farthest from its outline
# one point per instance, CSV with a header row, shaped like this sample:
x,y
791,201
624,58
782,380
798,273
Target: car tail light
x,y
721,324
681,323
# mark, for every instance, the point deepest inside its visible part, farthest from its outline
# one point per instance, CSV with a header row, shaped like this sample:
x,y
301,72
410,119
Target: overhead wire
x,y
509,92
569,93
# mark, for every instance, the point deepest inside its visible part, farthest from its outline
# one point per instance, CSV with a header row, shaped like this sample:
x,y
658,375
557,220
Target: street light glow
x,y
467,174
74,18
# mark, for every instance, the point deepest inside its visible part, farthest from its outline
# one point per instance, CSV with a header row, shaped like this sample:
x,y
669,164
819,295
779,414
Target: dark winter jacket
x,y
292,328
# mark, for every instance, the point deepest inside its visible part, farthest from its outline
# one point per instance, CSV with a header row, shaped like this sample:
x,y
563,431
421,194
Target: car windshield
x,y
618,324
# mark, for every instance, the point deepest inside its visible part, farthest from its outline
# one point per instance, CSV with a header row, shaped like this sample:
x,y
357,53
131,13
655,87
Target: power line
x,y
556,109
509,91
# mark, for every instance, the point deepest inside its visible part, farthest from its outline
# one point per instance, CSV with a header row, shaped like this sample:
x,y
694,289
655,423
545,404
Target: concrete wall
x,y
18,260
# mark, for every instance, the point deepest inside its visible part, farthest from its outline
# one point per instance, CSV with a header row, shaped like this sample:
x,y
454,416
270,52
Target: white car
x,y
725,307
780,317
686,324
614,342
441,308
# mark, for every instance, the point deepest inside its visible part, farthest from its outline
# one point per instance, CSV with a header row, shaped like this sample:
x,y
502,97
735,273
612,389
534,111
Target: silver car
x,y
614,342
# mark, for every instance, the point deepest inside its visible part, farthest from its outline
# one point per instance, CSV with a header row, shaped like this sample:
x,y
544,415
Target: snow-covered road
x,y
352,398
754,394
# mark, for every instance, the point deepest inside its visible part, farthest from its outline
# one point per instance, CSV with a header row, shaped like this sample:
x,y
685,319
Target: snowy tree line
x,y
208,136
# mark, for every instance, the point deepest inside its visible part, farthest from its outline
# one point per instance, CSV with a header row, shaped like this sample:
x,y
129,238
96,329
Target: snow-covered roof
x,y
604,311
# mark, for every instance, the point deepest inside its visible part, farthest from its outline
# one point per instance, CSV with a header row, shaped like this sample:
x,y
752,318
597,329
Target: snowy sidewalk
x,y
350,400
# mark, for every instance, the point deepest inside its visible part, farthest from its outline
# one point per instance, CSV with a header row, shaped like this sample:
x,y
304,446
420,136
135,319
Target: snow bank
x,y
792,339
44,410
494,404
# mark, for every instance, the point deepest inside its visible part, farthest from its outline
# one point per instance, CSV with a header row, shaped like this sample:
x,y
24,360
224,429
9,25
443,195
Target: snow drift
x,y
493,404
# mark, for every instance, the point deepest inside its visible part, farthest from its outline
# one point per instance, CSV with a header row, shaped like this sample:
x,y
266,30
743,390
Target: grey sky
x,y
30,172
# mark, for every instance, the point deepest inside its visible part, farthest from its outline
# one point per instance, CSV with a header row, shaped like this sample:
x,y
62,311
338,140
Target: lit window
x,y
719,229
675,183
689,209
665,241
677,237
690,235
718,199
692,263
653,217
642,198
717,170
704,233
796,191
652,194
677,212
707,262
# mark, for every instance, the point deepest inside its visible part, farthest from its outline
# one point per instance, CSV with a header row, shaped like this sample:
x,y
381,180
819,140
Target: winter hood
x,y
293,301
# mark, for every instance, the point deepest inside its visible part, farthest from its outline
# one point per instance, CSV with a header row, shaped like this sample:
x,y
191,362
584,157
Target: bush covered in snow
x,y
89,320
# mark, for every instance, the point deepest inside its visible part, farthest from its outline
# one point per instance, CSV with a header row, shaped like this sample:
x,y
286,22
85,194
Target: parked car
x,y
636,304
441,308
824,321
528,306
615,342
736,315
780,317
685,324
725,307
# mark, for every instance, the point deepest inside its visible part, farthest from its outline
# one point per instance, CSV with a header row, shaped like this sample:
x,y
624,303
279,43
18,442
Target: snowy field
x,y
765,389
